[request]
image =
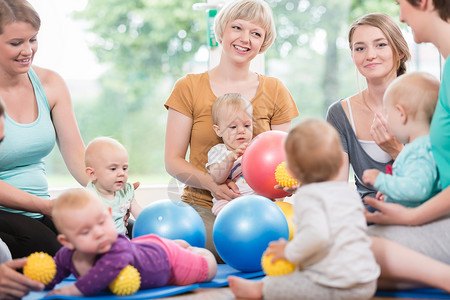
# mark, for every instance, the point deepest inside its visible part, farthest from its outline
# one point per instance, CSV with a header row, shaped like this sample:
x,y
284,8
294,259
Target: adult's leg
x,y
432,239
297,286
402,267
24,235
208,219
49,223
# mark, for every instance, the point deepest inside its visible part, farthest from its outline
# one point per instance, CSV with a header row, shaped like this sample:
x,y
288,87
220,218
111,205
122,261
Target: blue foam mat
x,y
223,271
425,293
141,294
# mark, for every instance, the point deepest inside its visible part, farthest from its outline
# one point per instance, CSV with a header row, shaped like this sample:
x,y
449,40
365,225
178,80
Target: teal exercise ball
x,y
245,227
172,220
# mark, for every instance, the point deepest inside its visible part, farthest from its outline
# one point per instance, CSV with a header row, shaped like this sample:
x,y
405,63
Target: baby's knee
x,y
211,261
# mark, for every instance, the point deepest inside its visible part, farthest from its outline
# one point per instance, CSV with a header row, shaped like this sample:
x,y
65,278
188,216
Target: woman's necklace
x,y
367,104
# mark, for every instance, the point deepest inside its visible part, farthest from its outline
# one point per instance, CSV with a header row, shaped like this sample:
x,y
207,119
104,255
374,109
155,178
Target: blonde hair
x,y
100,143
230,103
392,33
71,200
18,11
313,151
417,92
255,11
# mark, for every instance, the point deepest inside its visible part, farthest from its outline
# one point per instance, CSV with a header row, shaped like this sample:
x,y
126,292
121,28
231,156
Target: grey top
x,y
358,158
5,255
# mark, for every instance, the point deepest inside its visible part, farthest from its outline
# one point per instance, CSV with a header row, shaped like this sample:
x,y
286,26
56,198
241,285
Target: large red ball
x,y
260,160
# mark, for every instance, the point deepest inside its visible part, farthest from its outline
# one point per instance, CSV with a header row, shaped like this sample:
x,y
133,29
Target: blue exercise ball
x,y
172,220
244,228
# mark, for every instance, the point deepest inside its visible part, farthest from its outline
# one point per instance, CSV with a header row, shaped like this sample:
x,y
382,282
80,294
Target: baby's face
x,y
111,170
236,129
89,229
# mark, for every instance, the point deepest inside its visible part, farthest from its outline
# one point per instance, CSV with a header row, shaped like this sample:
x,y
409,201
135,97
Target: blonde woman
x,y
244,28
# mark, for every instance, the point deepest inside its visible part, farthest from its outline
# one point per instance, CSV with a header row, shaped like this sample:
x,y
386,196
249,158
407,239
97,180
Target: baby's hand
x,y
277,249
239,151
369,176
69,290
380,196
290,190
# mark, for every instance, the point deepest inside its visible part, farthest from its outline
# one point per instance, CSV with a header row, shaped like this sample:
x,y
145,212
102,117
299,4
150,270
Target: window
x,y
119,85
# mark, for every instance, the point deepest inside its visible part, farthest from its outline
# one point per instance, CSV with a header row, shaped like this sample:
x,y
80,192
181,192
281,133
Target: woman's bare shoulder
x,y
47,76
54,86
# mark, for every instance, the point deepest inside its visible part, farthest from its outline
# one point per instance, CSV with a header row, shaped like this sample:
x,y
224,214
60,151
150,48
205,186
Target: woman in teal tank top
x,y
38,114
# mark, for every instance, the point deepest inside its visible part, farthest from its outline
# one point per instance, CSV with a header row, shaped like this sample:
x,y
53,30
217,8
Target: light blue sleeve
x,y
413,184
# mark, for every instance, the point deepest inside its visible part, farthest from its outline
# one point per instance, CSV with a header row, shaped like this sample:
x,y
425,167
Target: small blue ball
x,y
172,220
245,227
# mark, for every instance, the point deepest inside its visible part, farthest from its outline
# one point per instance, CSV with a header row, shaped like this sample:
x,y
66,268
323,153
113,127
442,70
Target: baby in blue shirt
x,y
409,104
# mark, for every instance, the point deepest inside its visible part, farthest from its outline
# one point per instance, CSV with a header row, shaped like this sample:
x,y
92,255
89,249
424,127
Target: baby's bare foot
x,y
244,288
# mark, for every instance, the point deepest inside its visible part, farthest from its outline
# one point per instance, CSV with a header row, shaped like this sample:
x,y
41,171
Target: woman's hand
x,y
388,213
227,191
383,137
14,285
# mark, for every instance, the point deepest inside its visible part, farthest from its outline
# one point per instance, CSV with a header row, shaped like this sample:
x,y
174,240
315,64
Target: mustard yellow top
x,y
193,97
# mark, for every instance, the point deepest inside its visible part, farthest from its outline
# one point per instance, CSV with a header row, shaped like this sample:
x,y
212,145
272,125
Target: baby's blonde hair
x,y
255,11
313,151
99,143
230,103
71,200
417,92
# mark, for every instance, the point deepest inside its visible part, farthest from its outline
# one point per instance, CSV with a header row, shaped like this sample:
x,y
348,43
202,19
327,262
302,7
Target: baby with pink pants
x,y
188,264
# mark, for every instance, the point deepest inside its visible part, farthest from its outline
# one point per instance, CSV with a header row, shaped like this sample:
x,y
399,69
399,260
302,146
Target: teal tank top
x,y
440,129
25,146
